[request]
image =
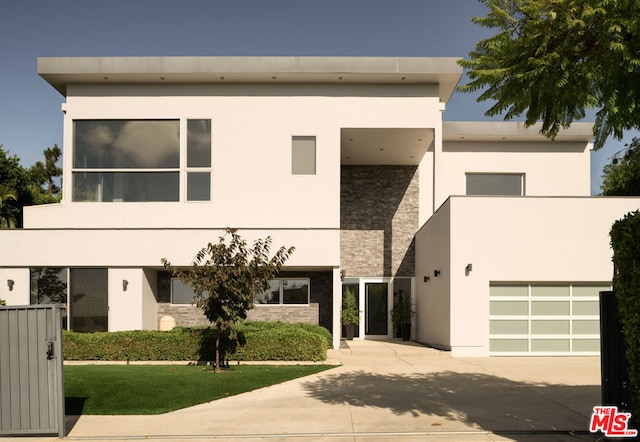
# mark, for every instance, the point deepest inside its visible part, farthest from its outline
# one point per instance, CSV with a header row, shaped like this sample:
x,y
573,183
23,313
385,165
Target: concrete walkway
x,y
388,390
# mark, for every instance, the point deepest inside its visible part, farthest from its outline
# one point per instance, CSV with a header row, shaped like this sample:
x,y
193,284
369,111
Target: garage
x,y
544,319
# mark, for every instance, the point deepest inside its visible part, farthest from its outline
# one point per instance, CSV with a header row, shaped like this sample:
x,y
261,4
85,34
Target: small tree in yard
x,y
225,278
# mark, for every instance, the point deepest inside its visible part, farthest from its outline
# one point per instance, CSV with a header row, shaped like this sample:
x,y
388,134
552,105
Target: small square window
x,y
198,186
295,291
271,295
181,293
303,156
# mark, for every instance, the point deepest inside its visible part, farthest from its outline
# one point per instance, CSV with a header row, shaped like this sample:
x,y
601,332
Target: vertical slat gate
x,y
31,370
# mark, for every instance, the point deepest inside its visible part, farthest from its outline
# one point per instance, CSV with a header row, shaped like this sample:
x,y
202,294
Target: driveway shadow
x,y
477,400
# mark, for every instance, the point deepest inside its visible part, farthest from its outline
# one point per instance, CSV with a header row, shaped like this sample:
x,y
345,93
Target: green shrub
x,y
257,341
625,241
282,344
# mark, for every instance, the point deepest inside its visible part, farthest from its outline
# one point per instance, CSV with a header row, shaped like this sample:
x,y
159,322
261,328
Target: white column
x,y
438,198
337,305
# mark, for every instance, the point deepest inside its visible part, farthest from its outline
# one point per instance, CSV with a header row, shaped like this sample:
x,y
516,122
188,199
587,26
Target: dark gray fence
x,y
616,388
31,370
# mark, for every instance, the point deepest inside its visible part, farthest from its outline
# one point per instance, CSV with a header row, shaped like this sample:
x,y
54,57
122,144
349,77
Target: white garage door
x,y
544,319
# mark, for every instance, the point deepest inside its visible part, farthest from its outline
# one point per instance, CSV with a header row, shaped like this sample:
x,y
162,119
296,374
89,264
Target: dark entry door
x,y
376,308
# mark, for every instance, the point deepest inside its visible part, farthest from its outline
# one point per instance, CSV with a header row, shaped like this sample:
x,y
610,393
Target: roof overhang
x,y
511,131
61,71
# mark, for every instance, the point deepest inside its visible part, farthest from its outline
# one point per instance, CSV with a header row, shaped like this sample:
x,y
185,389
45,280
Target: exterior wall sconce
x,y
436,273
468,269
426,279
10,283
343,273
125,284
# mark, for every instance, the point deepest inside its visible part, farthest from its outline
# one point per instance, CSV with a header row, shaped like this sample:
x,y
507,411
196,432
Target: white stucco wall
x,y
125,306
20,294
550,168
149,303
432,298
513,239
252,126
133,248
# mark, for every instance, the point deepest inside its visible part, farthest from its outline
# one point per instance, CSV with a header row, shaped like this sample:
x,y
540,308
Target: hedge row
x,y
258,341
625,241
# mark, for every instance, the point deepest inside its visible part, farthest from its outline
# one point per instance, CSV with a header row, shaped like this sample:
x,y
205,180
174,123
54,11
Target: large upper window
x,y
495,184
140,160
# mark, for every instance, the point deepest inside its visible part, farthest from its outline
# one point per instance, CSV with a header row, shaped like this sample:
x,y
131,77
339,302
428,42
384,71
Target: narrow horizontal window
x,y
285,291
126,186
495,184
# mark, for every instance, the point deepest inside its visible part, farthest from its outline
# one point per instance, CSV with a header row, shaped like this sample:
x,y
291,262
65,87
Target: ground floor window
x,y
83,290
181,293
537,318
285,291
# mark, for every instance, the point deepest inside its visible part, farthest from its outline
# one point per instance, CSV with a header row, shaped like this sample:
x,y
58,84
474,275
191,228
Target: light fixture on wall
x,y
10,283
426,279
468,269
125,284
436,273
343,273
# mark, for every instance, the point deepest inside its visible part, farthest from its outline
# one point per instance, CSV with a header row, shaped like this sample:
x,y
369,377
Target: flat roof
x,y
61,71
510,131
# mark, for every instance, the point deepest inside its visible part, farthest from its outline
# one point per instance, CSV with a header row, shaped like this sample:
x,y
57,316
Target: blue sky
x,y
30,116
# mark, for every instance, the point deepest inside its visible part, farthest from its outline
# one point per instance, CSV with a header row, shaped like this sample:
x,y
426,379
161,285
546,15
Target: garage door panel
x,y
545,318
550,327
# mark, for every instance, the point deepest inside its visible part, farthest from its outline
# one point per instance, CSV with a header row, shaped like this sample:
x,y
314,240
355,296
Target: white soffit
x,y
384,146
510,131
61,71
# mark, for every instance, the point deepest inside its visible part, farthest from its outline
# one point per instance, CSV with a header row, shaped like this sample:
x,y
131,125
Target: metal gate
x,y
31,370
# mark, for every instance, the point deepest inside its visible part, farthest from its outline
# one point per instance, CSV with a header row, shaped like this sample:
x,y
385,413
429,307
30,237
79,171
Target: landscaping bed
x,y
257,341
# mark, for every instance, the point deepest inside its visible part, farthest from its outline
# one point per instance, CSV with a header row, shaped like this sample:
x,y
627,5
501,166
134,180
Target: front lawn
x,y
156,389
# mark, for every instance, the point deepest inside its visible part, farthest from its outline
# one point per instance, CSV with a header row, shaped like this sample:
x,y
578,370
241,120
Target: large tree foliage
x,y
622,176
44,174
551,60
21,187
226,276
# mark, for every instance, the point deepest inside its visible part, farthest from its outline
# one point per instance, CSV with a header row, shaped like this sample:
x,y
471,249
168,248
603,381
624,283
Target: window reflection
x,y
126,144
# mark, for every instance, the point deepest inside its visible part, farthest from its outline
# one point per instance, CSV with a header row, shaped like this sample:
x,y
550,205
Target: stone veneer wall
x,y
378,220
319,310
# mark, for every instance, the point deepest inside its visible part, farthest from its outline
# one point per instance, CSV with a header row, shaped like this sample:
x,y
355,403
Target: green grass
x,y
156,389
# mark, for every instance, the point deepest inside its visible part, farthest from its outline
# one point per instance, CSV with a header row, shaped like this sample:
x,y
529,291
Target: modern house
x,y
489,226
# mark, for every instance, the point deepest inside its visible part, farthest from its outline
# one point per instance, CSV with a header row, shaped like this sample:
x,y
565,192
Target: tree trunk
x,y
216,368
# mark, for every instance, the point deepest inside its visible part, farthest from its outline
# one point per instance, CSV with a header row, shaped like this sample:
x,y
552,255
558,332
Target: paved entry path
x,y
388,390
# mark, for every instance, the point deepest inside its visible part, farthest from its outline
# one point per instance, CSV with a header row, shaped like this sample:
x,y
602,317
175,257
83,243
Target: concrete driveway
x,y
388,390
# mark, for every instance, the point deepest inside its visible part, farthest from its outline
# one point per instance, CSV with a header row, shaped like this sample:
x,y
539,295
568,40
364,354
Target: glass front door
x,y
376,308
